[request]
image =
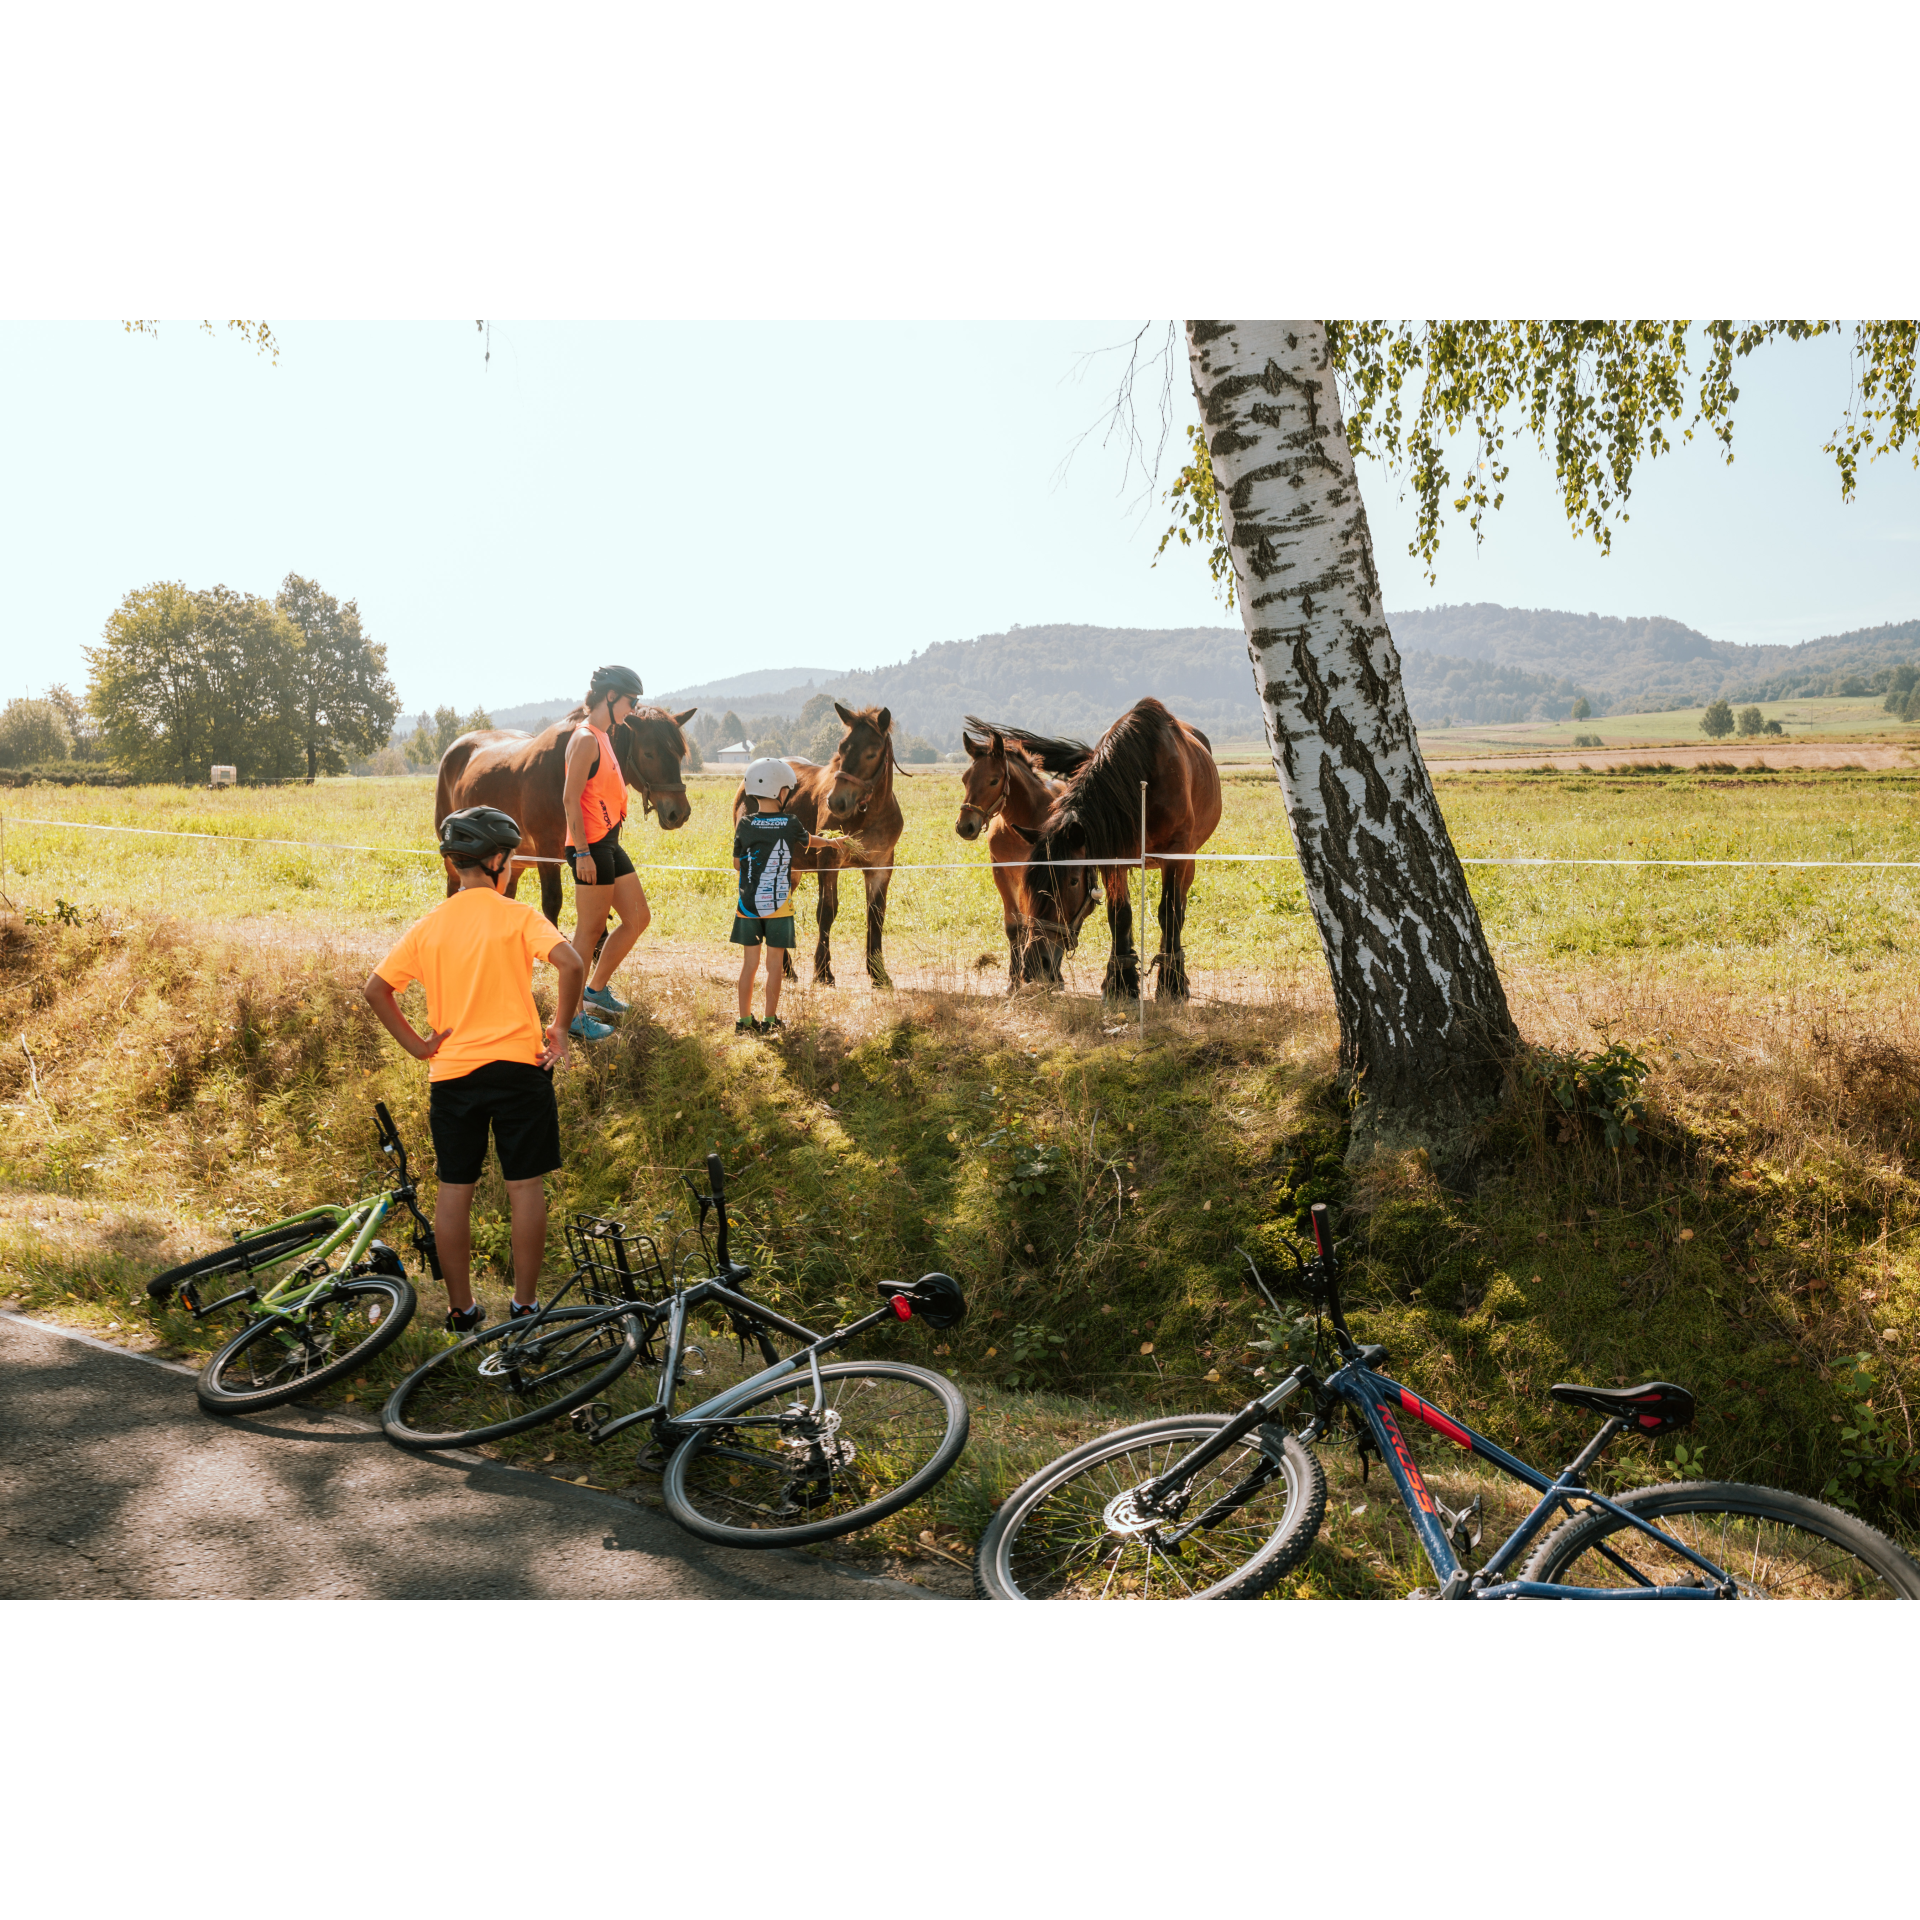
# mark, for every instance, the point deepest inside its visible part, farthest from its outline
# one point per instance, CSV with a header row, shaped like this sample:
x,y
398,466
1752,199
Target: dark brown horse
x,y
851,794
1006,787
1098,819
526,775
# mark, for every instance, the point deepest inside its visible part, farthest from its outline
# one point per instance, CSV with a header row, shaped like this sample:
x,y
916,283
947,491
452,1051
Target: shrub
x,y
1588,740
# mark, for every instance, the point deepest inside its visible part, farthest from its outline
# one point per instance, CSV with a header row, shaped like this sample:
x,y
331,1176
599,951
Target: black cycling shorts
x,y
610,860
516,1100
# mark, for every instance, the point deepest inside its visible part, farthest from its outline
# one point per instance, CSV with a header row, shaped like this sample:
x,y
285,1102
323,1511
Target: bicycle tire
x,y
276,1358
282,1242
1775,1545
755,1487
1062,1536
451,1402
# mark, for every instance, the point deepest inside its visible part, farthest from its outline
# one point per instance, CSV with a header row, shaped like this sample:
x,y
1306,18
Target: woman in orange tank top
x,y
604,880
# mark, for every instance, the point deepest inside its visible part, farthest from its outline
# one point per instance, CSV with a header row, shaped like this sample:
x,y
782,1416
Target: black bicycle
x,y
325,1295
1215,1506
796,1452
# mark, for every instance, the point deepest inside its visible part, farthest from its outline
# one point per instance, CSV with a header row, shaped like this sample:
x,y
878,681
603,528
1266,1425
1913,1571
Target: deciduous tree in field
x,y
1717,722
1272,493
341,703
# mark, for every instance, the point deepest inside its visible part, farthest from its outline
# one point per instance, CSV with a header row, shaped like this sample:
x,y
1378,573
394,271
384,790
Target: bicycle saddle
x,y
1654,1407
935,1298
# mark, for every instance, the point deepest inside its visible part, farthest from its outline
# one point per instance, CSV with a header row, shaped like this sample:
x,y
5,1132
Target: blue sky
x,y
702,498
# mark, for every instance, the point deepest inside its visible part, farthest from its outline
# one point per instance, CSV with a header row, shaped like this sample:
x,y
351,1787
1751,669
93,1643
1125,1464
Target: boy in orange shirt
x,y
488,1062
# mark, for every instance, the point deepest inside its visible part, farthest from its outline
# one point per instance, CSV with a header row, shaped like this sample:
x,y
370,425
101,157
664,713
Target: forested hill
x,y
1471,663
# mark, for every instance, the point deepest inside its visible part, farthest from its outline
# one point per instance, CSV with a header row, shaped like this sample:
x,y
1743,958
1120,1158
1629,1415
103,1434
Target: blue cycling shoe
x,y
586,1027
605,999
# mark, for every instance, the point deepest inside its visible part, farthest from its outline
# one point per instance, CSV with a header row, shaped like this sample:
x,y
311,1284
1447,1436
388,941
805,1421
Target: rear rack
x,y
613,1265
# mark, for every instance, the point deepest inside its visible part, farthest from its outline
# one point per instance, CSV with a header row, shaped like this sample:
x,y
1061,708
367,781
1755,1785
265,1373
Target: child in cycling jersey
x,y
765,839
488,1063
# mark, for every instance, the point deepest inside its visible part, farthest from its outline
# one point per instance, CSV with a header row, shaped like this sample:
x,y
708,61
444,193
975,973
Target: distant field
x,y
1860,719
1247,921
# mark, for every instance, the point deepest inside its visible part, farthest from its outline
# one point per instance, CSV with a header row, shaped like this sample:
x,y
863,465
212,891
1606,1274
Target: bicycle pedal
x,y
588,1418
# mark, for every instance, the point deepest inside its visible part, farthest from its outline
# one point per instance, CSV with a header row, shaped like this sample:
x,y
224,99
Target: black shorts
x,y
610,860
749,930
517,1099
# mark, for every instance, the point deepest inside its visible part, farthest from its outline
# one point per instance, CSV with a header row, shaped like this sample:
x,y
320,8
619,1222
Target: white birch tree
x,y
1272,490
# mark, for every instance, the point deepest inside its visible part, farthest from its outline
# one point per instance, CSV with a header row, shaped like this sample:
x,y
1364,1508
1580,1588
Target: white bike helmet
x,y
767,779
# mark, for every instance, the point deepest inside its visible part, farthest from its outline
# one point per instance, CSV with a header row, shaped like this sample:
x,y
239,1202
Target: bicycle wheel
x,y
507,1378
276,1358
265,1249
1776,1546
885,1433
1074,1532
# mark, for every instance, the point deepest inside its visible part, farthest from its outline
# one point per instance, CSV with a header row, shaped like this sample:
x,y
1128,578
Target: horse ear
x,y
884,721
974,750
999,748
1031,835
847,718
681,719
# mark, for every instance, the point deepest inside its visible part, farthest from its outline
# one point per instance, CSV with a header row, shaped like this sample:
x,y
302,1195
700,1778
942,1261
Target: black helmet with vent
x,y
614,680
473,835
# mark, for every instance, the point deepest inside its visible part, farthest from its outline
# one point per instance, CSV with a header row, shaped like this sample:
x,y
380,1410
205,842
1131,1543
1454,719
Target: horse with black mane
x,y
1097,821
1008,785
526,775
852,794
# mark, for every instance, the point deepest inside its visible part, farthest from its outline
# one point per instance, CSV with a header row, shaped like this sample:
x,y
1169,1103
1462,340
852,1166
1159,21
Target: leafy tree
x,y
1717,722
732,729
1271,492
1583,708
917,752
79,721
182,681
342,702
1751,721
33,732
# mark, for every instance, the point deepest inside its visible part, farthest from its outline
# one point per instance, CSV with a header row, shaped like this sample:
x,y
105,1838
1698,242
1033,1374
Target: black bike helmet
x,y
472,835
614,680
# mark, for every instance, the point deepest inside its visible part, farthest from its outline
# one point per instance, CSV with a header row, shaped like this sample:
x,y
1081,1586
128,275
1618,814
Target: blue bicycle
x,y
1223,1507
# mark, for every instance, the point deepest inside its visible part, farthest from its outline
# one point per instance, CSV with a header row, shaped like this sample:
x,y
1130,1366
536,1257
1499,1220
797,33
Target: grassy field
x,y
1811,719
186,1049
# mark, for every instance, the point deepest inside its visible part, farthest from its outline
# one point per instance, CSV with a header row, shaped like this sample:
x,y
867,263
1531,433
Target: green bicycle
x,y
340,1297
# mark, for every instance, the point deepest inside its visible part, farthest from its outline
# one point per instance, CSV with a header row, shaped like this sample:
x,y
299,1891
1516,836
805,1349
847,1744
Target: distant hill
x,y
1481,664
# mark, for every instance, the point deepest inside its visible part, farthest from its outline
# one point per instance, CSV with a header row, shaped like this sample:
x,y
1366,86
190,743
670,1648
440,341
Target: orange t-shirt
x,y
603,805
474,954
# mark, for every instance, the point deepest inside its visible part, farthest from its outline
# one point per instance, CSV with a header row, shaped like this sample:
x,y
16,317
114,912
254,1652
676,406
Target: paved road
x,y
113,1484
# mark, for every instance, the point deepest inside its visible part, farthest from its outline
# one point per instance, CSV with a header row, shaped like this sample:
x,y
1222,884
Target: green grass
x,y
212,1065
1823,720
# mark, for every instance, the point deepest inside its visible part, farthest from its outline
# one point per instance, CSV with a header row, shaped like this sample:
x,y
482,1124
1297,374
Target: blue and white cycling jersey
x,y
764,844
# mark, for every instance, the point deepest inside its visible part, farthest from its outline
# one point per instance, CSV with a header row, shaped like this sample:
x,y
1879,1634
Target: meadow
x,y
1823,718
186,1049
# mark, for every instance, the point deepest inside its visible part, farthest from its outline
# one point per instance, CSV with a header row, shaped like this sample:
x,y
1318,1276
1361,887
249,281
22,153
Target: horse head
x,y
861,761
1059,893
983,786
651,748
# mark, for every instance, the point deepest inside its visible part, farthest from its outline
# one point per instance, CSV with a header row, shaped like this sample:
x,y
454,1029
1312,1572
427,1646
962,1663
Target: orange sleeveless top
x,y
604,803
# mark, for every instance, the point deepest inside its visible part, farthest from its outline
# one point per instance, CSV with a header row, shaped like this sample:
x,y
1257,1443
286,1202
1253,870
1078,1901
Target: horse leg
x,y
878,880
822,947
1122,981
1174,885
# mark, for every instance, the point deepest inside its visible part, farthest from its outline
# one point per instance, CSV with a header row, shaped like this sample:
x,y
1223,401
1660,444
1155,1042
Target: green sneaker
x,y
746,1026
773,1024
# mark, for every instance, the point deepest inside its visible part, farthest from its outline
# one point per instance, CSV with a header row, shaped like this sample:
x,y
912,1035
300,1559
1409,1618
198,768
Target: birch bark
x,y
1424,1024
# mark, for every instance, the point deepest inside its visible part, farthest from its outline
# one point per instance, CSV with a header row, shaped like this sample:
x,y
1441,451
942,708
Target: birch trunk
x,y
1424,1024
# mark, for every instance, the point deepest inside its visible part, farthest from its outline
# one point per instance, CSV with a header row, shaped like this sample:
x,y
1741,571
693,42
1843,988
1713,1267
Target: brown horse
x,y
1098,819
851,794
526,775
1005,787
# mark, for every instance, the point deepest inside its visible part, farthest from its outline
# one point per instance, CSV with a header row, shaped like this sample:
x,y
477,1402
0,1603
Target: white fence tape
x,y
934,866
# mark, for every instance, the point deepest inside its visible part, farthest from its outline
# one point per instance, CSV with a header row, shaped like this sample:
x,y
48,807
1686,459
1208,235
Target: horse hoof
x,y
880,978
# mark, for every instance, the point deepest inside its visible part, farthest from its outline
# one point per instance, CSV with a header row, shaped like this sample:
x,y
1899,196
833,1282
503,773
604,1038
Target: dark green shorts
x,y
776,930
